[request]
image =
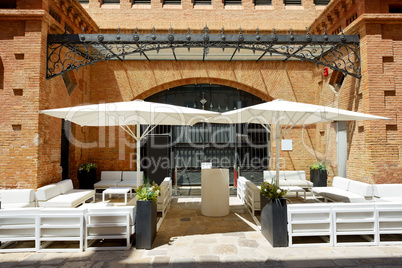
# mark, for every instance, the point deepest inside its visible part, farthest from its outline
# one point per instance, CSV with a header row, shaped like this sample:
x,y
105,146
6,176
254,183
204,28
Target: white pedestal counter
x,y
215,192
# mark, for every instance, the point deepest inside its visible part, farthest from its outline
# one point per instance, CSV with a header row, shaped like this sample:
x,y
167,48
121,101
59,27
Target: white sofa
x,y
346,190
118,179
288,178
328,224
17,198
63,194
104,223
165,198
42,226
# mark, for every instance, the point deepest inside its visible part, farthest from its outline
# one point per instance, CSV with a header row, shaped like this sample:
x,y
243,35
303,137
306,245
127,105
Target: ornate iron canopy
x,y
68,52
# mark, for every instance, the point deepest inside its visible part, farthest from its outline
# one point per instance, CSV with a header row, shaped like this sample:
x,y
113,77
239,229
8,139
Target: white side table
x,y
117,190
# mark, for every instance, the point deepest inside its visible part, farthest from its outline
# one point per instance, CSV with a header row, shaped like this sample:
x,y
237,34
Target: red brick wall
x,y
30,144
374,153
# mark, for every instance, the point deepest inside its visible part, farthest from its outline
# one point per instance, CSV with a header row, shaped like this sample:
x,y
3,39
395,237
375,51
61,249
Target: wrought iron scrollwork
x,y
68,52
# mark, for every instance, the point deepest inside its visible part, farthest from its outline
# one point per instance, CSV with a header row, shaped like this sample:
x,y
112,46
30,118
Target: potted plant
x,y
146,214
274,217
318,174
87,175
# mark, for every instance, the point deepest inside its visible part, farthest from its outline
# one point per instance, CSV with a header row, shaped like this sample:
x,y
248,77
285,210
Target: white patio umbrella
x,y
135,112
286,114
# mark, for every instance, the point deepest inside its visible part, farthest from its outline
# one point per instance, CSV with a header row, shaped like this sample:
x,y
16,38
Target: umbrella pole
x,y
278,138
138,140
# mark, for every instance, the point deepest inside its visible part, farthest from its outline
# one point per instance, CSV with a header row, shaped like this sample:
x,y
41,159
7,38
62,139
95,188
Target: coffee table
x,y
295,189
117,190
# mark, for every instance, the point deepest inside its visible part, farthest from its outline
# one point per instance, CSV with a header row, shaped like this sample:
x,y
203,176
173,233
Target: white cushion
x,y
388,190
339,195
47,192
65,186
132,175
111,176
341,183
106,184
17,196
361,188
70,199
127,183
288,178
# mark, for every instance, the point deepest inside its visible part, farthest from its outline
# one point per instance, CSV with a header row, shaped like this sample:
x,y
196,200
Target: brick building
x,y
30,143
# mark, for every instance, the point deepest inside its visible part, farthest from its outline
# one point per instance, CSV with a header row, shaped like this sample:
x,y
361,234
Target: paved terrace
x,y
188,239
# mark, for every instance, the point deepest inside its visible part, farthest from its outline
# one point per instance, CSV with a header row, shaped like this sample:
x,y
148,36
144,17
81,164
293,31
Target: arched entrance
x,y
243,147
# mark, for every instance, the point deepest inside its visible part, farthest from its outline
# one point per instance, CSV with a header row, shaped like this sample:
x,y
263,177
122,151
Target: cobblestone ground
x,y
188,239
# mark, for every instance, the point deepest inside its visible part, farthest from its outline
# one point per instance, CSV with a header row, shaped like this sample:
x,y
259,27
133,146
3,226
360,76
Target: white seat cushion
x,y
106,184
339,195
70,199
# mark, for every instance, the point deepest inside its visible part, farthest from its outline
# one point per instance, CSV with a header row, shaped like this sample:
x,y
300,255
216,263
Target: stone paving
x,y
188,239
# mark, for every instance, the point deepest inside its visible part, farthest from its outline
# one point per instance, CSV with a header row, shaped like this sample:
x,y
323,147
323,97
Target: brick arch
x,y
204,80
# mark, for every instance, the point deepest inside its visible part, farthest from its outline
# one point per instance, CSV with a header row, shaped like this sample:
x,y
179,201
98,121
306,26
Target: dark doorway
x,y
65,148
240,146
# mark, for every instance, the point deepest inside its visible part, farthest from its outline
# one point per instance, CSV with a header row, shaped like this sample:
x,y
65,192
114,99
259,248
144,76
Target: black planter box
x,y
87,179
318,177
274,221
145,226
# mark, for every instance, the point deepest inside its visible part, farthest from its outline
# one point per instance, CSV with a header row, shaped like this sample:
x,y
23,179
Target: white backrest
x,y
284,175
341,183
388,190
269,175
132,175
17,196
111,176
46,192
65,186
294,175
360,188
109,214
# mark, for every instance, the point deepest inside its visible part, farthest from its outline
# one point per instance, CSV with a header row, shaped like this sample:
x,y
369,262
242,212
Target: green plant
x,y
271,190
147,191
318,166
87,167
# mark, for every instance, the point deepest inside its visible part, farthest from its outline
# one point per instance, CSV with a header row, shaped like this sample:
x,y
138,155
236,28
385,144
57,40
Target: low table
x,y
295,189
117,190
